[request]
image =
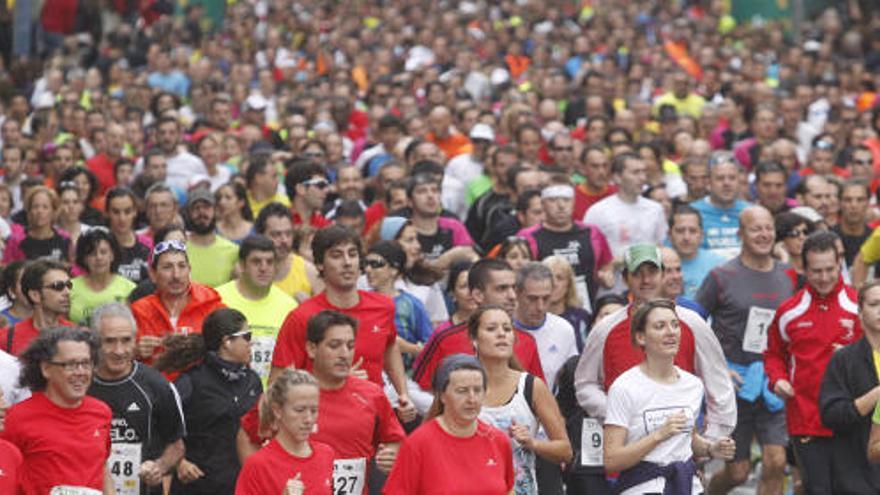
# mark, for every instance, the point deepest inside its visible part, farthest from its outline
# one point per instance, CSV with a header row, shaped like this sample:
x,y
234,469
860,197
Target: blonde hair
x,y
277,394
572,299
32,193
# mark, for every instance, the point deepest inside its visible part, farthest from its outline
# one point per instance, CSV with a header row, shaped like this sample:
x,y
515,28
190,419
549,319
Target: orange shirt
x,y
453,145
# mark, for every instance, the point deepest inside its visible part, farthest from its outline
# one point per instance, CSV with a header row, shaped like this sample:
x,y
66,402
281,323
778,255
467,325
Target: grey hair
x,y
112,309
533,270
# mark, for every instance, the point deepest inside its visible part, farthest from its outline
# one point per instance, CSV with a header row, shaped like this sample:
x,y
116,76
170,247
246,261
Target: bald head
x,y
757,232
673,281
439,121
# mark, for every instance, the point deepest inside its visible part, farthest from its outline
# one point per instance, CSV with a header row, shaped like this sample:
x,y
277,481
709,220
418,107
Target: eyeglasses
x,y
863,163
59,285
245,334
319,183
71,366
797,233
314,154
563,148
376,263
172,245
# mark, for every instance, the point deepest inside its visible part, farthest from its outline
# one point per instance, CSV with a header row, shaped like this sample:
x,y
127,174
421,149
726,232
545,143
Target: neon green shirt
x,y
212,265
264,317
477,188
83,300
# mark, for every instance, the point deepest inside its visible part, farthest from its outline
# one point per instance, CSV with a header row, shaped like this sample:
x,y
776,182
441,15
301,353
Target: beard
x,y
199,228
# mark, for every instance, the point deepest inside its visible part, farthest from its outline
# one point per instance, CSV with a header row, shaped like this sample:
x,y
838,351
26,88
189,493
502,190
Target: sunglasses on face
x,y
797,233
319,183
245,334
374,263
59,285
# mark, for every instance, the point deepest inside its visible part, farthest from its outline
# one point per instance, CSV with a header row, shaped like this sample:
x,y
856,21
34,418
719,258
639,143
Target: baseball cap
x,y
807,213
482,131
637,254
256,102
199,194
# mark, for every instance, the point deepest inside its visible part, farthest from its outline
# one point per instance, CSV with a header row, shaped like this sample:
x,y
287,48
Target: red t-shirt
x,y
455,340
23,333
376,332
317,220
268,470
102,167
10,465
60,446
432,461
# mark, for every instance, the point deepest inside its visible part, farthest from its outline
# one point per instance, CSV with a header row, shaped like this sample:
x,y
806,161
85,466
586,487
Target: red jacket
x,y
152,317
802,337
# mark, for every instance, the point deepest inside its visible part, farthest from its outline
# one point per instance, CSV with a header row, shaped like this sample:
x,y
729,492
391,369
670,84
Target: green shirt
x,y
477,188
83,300
212,265
264,317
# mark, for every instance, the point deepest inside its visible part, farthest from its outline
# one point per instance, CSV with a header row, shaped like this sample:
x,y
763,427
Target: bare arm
x,y
244,446
620,456
859,271
153,470
558,447
109,488
874,444
408,347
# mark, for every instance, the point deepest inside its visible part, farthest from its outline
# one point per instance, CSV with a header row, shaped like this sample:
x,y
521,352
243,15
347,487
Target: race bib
x,y
73,490
583,291
655,418
349,476
592,440
755,337
125,465
261,354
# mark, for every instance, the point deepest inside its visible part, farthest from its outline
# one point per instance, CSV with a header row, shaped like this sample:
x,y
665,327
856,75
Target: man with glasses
x,y
178,306
258,299
63,434
861,166
307,184
46,286
212,257
147,427
160,205
562,151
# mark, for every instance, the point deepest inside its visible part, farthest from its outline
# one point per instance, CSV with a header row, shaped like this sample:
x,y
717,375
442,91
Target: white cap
x,y
499,76
482,131
256,102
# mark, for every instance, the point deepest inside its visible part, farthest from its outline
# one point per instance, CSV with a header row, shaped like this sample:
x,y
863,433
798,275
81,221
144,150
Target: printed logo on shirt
x,y
97,433
553,348
376,329
849,326
2,473
804,324
491,462
133,407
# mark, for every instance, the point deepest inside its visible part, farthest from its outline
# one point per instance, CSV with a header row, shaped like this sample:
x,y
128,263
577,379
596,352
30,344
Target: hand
x,y
147,345
522,435
188,472
385,457
723,449
356,370
675,424
406,409
606,277
151,473
737,380
295,486
783,389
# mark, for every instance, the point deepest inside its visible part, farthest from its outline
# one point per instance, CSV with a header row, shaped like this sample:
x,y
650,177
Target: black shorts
x,y
754,420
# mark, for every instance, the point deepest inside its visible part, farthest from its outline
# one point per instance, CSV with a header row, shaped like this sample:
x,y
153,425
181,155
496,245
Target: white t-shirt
x,y
430,295
9,373
556,343
182,167
641,405
625,224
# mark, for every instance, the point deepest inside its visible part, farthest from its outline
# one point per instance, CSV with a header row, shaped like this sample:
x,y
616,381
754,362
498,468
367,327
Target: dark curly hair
x,y
88,243
45,347
185,351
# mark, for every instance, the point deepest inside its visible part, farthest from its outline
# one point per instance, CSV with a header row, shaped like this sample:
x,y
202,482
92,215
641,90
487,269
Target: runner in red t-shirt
x,y
373,432
63,434
46,285
292,460
338,253
10,456
491,281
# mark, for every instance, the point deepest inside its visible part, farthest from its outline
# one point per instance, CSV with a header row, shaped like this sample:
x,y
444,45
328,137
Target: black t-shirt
x,y
133,262
575,246
145,409
851,243
55,248
433,246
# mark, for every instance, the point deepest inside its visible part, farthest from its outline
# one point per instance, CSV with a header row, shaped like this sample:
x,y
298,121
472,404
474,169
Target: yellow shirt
x,y
871,248
691,105
256,206
264,317
296,279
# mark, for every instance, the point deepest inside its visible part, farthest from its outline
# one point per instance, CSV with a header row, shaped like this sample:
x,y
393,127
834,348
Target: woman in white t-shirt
x,y
516,403
650,436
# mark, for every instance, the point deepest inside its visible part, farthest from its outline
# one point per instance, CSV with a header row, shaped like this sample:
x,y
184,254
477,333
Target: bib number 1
x,y
349,476
755,336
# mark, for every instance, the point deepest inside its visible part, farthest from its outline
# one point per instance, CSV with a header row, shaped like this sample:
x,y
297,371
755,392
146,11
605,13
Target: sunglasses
x,y
376,263
172,245
59,285
319,183
797,233
245,334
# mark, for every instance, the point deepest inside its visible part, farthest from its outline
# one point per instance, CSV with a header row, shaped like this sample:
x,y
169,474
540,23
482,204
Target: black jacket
x,y
215,395
850,374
